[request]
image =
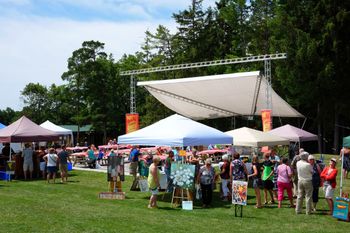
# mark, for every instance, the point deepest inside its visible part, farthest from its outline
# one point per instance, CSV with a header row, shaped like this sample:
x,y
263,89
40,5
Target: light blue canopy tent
x,y
176,131
2,125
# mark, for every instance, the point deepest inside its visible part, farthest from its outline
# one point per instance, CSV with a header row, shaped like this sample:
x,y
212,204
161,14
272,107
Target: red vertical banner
x,y
266,119
131,122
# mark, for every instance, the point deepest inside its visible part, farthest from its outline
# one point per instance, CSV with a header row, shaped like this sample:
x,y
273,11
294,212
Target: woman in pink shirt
x,y
284,173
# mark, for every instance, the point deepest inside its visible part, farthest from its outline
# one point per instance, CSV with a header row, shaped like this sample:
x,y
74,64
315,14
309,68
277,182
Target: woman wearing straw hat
x,y
329,175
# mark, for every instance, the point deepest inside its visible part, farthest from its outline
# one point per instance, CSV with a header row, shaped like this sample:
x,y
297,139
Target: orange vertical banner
x,y
131,122
266,119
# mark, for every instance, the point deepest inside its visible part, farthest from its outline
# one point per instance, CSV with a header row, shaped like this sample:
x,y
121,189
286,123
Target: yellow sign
x,y
131,122
182,153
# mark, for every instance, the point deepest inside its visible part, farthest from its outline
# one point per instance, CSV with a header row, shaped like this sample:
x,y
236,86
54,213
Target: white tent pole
x,y
341,172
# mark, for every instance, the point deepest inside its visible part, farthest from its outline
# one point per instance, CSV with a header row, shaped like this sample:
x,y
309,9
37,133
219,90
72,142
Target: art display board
x,y
183,175
10,167
341,208
115,168
239,192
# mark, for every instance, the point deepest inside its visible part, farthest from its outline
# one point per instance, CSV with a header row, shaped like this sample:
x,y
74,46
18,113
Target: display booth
x,y
176,131
24,130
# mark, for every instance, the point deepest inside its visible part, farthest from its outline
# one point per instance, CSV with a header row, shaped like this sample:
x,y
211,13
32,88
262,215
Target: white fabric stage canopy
x,y
218,96
254,138
176,130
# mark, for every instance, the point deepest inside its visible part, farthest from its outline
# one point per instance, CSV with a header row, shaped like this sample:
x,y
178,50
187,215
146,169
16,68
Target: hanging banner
x,y
266,119
131,122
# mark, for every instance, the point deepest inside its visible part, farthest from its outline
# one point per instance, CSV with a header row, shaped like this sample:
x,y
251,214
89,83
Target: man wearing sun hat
x,y
305,188
329,175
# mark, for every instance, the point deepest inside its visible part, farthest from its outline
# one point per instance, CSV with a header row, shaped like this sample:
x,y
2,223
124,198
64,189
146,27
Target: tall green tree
x,y
80,68
8,115
37,103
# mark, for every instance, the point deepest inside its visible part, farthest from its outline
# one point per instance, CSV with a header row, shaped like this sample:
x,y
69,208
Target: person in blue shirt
x,y
91,157
134,160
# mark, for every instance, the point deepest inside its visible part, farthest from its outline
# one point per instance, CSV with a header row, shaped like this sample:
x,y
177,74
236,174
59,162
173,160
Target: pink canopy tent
x,y
294,134
25,130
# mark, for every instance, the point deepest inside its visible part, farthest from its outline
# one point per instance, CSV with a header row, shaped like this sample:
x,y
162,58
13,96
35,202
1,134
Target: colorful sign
x,y
182,175
239,192
266,119
131,122
10,167
182,153
341,208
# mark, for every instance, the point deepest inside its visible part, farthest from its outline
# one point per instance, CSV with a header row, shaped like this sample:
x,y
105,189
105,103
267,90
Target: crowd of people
x,y
300,178
48,160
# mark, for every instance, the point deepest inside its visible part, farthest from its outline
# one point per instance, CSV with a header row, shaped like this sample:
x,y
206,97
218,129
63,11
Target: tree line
x,y
313,79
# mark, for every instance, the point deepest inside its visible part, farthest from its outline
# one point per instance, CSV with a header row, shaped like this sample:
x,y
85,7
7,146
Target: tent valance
x,y
178,131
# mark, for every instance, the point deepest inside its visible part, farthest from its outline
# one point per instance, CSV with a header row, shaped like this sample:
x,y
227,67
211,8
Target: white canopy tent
x,y
57,129
178,131
254,138
218,96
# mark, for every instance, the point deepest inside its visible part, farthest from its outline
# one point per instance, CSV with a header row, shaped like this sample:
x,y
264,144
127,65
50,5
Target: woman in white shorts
x,y
329,175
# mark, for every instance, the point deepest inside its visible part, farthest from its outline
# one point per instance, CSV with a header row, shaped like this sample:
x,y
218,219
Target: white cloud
x,y
37,50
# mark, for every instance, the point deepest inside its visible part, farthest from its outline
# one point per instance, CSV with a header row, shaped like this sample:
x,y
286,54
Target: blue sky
x,y
38,36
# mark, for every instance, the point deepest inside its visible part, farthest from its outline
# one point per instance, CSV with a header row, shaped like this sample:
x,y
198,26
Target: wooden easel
x,y
135,185
115,185
179,195
237,208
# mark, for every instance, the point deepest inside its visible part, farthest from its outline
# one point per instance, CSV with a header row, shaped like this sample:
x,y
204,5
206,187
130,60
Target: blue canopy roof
x,y
176,130
2,125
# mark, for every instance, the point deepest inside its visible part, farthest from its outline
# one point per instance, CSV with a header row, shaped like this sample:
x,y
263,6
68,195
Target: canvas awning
x,y
294,134
218,96
176,130
254,138
25,130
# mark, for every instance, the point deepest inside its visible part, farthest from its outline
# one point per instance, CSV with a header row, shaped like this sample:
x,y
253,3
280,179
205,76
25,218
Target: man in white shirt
x,y
304,170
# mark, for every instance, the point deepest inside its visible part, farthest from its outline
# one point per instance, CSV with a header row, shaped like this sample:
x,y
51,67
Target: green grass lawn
x,y
35,206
